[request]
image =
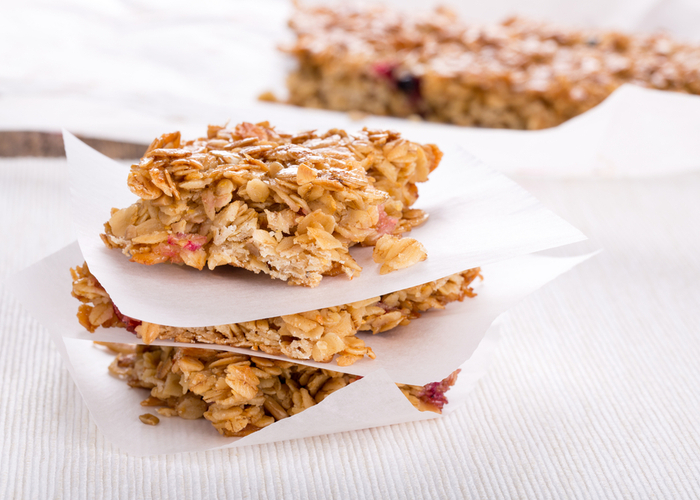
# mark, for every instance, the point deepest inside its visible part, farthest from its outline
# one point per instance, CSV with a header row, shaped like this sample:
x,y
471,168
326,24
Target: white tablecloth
x,y
594,392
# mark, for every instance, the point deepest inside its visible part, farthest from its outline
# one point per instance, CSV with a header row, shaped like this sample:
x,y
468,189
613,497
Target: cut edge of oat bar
x,y
239,394
321,335
287,205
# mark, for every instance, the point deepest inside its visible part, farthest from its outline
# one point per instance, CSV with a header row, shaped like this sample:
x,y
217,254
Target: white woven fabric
x,y
594,393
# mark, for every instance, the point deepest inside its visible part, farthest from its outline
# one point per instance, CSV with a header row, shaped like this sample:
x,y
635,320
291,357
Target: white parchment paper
x,y
476,216
426,350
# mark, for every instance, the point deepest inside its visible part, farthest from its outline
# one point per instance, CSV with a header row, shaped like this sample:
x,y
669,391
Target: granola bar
x,y
518,74
240,394
286,205
320,335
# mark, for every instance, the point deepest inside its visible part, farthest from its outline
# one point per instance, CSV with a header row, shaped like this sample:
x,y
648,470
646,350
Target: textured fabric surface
x,y
594,392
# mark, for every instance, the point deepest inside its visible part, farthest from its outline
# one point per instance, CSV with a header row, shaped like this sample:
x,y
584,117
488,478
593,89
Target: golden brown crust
x,y
286,205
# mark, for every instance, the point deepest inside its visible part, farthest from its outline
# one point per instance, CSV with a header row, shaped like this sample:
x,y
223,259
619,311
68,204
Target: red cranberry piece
x,y
130,323
384,70
408,84
434,393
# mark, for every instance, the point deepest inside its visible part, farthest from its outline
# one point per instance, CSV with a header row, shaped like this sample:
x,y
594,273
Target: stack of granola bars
x,y
289,206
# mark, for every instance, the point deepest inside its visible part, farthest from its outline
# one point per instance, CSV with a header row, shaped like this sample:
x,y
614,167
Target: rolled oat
x,y
149,419
397,253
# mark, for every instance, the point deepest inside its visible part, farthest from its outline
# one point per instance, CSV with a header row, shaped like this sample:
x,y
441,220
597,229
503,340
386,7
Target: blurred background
x,y
124,69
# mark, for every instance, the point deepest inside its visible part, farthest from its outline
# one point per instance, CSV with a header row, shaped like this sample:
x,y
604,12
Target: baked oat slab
x,y
286,205
320,335
517,74
239,394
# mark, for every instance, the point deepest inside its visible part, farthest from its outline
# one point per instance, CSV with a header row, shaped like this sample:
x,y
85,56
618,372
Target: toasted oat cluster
x,y
238,394
286,205
397,253
518,74
320,335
